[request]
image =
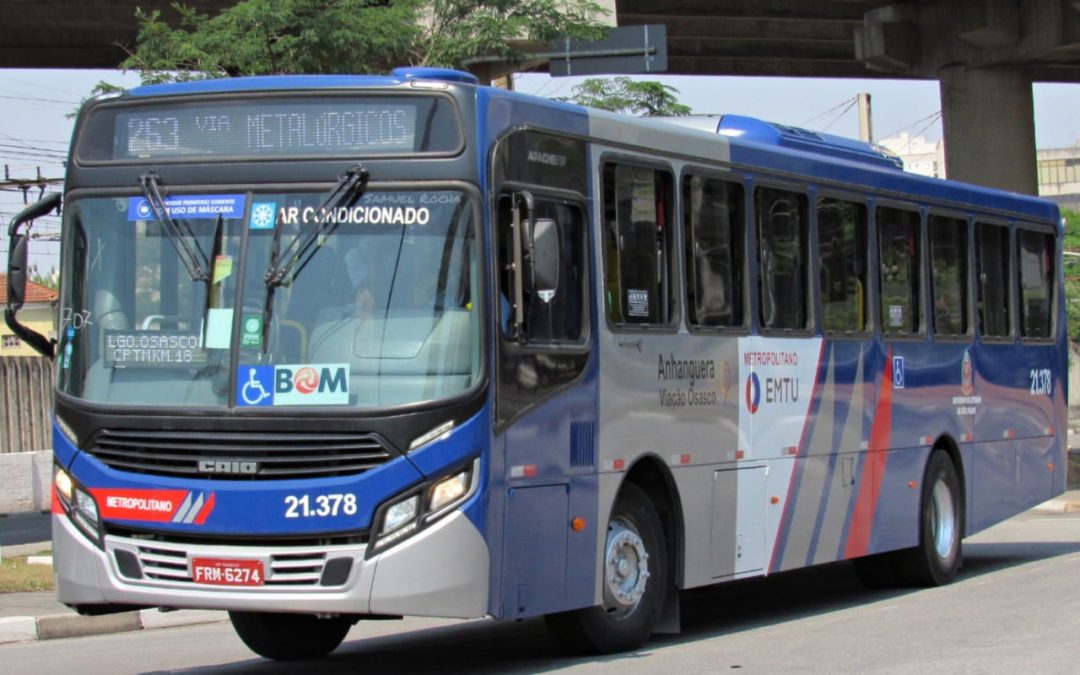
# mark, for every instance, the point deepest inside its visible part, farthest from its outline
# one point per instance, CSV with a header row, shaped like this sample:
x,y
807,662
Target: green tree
x,y
621,94
1072,271
259,37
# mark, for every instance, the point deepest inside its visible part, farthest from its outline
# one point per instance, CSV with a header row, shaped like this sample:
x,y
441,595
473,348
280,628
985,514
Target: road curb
x,y
29,629
1058,506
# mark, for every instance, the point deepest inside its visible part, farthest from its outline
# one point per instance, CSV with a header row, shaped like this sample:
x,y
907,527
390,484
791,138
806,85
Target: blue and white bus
x,y
334,348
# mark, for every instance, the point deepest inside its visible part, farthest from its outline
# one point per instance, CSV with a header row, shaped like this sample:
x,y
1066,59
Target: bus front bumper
x,y
441,572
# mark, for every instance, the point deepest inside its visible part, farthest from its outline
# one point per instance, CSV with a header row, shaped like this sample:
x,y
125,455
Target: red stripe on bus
x,y
873,470
206,509
57,507
788,511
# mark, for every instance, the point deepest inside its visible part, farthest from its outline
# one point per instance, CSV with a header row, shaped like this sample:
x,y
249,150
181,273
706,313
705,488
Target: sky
x,y
35,129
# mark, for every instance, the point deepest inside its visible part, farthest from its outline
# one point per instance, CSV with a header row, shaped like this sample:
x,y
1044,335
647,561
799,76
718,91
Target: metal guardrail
x,y
26,401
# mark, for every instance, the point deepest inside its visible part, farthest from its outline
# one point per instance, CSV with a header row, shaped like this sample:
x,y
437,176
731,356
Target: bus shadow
x,y
706,613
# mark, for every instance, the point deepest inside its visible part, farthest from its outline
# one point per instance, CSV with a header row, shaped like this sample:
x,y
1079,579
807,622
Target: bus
x,y
341,348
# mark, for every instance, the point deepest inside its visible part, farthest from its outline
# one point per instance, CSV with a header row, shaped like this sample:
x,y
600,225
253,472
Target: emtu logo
x,y
753,393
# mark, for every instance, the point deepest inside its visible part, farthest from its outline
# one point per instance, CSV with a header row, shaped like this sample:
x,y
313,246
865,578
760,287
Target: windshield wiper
x,y
180,234
286,265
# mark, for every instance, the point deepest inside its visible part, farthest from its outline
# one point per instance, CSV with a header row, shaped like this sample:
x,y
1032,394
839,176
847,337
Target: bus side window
x,y
547,318
900,258
992,265
637,245
1036,267
783,272
842,244
948,275
713,220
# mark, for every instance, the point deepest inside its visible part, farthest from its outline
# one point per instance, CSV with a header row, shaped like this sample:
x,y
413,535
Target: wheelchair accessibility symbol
x,y
257,388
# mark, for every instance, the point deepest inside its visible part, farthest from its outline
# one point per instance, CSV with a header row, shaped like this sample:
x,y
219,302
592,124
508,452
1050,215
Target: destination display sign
x,y
153,349
328,125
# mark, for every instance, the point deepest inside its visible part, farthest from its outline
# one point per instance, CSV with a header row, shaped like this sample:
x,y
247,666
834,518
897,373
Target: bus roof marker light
x,y
437,74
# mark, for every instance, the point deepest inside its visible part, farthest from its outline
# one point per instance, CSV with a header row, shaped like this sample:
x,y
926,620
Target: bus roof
x,y
822,158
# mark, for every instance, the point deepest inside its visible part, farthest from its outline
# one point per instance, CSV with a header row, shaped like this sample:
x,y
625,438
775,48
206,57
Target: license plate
x,y
223,572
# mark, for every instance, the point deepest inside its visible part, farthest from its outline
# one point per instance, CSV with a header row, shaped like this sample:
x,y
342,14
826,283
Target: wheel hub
x,y
626,569
943,519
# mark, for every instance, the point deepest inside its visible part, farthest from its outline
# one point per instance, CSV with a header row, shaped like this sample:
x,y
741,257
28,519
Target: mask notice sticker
x,y
190,207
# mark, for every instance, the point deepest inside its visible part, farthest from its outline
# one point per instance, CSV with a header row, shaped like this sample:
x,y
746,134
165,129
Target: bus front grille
x,y
237,455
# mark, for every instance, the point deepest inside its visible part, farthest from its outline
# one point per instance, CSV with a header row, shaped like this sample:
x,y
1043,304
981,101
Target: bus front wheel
x,y
635,582
936,559
289,637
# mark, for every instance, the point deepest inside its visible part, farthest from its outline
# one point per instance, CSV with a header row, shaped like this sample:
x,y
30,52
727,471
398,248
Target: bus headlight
x,y
401,515
79,505
64,486
422,506
397,521
86,507
447,491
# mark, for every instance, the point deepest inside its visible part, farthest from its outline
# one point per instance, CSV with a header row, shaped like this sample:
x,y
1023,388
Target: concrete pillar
x,y
989,124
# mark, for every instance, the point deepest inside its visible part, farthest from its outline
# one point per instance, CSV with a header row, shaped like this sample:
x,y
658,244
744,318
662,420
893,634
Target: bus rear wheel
x,y
635,582
289,637
935,561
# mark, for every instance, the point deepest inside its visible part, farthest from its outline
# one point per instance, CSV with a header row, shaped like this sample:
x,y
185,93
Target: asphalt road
x,y
25,528
1014,608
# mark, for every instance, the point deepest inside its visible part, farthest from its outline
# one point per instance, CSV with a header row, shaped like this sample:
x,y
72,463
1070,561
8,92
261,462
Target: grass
x,y
18,576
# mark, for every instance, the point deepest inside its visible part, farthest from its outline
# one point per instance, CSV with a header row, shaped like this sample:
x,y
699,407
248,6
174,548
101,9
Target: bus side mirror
x,y
18,273
544,257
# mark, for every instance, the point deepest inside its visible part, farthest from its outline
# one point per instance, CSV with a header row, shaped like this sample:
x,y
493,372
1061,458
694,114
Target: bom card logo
x,y
302,384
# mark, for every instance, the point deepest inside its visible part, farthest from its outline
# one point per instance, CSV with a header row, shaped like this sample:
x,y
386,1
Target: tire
x,y
635,583
937,558
289,637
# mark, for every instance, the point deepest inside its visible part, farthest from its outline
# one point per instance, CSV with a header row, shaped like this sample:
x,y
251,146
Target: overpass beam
x,y
989,124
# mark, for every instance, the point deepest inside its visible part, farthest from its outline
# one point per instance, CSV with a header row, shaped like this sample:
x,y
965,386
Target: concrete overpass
x,y
985,53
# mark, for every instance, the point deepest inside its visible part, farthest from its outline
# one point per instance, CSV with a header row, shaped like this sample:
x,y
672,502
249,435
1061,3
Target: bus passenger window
x,y
1036,266
900,259
842,244
713,219
546,319
992,263
948,275
637,245
782,259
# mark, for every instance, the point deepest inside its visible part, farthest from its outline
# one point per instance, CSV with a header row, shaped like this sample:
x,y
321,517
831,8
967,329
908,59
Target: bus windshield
x,y
384,312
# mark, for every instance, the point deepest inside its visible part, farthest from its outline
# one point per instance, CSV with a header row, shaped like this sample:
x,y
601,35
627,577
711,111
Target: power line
x,y
930,119
849,102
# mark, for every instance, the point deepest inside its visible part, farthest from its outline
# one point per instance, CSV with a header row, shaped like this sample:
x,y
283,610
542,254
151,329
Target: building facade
x,y
38,313
1059,168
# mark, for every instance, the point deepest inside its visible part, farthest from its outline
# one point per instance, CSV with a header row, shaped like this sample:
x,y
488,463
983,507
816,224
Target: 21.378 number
x,y
321,506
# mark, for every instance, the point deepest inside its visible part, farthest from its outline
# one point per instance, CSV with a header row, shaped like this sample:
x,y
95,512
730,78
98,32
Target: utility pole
x,y
866,124
26,184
